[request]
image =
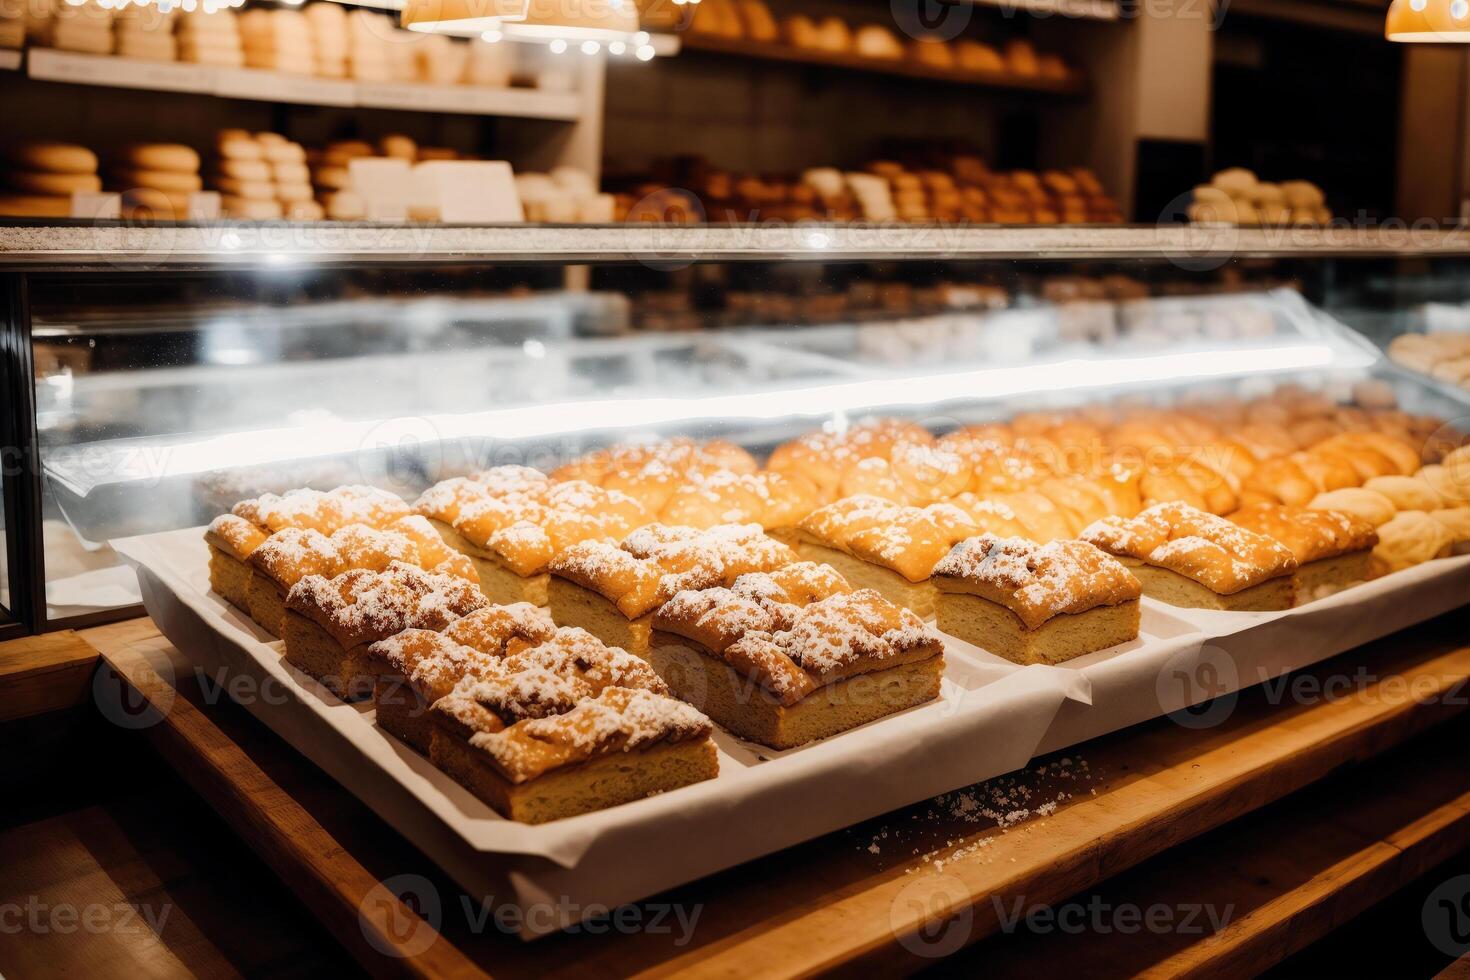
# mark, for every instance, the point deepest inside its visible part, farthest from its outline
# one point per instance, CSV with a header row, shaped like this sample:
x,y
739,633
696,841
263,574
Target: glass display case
x,y
160,375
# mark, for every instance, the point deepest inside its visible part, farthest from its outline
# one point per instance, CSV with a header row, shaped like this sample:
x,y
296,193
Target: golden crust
x,y
1036,582
618,719
908,540
656,562
291,554
322,511
235,536
761,629
443,501
362,606
1312,535
502,630
1210,550
435,663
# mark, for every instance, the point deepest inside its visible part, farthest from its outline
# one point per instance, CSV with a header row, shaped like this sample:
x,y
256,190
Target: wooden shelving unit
x,y
789,54
255,84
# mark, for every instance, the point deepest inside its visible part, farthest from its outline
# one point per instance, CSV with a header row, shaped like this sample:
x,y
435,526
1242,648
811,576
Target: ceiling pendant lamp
x,y
597,21
1429,21
466,18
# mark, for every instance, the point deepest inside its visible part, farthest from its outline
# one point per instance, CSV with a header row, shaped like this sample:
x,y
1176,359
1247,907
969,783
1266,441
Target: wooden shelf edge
x,y
1294,920
260,85
45,673
1171,785
789,54
375,926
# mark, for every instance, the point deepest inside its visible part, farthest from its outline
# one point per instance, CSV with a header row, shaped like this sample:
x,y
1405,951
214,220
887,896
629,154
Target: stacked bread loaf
x,y
278,39
752,20
369,48
210,38
1237,197
85,27
329,46
155,178
1443,355
263,175
939,187
145,32
39,179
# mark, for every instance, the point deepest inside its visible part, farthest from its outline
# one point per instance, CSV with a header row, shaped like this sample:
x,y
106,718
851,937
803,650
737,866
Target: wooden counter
x,y
1120,817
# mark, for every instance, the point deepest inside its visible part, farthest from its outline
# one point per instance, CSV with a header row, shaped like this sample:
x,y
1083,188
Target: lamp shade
x,y
576,20
466,17
1429,21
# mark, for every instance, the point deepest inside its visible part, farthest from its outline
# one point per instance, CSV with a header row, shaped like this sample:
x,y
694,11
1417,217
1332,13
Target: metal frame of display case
x,y
89,249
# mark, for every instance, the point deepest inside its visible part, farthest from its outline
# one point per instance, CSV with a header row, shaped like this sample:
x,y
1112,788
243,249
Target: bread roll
x,y
1366,505
875,41
1406,492
159,180
244,169
160,157
242,207
253,190
239,147
34,206
977,57
1411,538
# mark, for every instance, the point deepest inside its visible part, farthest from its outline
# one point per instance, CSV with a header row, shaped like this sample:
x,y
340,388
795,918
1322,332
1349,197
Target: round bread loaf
x,y
252,190
239,148
34,206
53,158
244,169
1406,492
1411,538
159,180
51,185
1366,505
160,157
283,152
243,207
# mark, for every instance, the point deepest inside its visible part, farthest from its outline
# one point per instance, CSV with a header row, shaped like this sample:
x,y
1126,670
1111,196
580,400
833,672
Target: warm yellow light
x,y
1429,21
468,18
576,20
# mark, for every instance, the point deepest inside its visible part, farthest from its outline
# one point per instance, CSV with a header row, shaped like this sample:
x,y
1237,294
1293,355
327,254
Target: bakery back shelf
x,y
1072,86
1197,253
260,85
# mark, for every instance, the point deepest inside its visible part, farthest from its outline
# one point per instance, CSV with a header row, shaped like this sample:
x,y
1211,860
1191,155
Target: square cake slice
x,y
1333,550
1035,604
612,591
330,623
538,746
233,537
787,657
1187,557
289,555
413,669
890,548
512,528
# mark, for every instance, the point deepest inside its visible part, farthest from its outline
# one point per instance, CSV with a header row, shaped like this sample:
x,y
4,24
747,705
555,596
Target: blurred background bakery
x,y
748,110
